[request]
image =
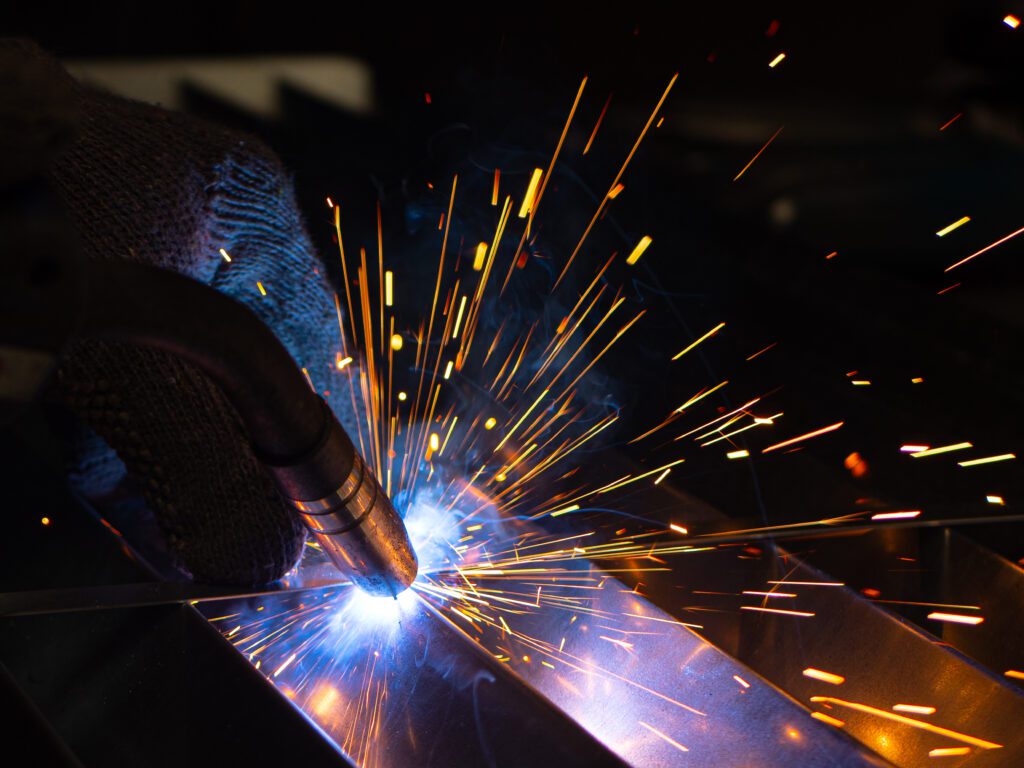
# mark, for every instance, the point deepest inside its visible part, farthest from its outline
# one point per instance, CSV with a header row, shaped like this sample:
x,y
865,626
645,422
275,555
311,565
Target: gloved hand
x,y
149,185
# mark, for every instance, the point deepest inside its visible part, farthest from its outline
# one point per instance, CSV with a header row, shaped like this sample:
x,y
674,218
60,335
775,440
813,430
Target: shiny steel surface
x,y
652,691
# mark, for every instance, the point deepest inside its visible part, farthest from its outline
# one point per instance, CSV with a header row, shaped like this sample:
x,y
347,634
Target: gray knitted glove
x,y
149,185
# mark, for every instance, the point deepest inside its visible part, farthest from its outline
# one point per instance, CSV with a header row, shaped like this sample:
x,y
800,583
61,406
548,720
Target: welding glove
x,y
148,185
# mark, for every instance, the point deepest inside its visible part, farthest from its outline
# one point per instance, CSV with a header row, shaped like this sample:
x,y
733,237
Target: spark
x,y
1014,673
263,291
914,709
860,383
907,721
825,677
941,449
777,60
809,583
566,510
658,733
782,611
662,476
489,424
808,436
955,225
479,256
225,255
762,351
396,342
389,280
949,751
678,529
913,448
952,120
987,460
917,380
987,248
754,158
45,521
828,719
615,191
597,125
531,192
902,515
494,192
1011,21
768,594
992,499
705,337
737,454
956,618
402,396
638,250
741,681
448,369
285,665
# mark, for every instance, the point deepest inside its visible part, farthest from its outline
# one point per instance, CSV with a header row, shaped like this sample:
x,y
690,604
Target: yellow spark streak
x,y
825,677
615,191
662,476
861,383
402,396
754,158
949,752
808,436
521,420
782,611
621,643
987,460
914,709
913,448
308,379
396,342
705,337
737,454
480,255
566,510
984,250
777,60
616,180
389,288
955,618
1011,21
828,719
531,191
1014,673
955,225
638,251
723,417
448,436
908,513
942,449
699,396
741,681
627,481
448,369
489,424
286,664
658,733
263,290
678,528
995,500
458,318
908,721
225,255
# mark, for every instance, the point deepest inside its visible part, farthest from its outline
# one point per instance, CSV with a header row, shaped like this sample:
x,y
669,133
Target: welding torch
x,y
50,299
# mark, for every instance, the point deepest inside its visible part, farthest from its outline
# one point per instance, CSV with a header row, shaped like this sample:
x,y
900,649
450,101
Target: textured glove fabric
x,y
153,186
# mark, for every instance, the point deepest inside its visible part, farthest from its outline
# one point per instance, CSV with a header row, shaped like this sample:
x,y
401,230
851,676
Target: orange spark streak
x,y
615,181
808,436
754,158
825,677
597,125
656,732
705,337
907,721
987,248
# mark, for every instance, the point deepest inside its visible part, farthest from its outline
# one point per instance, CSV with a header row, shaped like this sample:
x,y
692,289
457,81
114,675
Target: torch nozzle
x,y
345,508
